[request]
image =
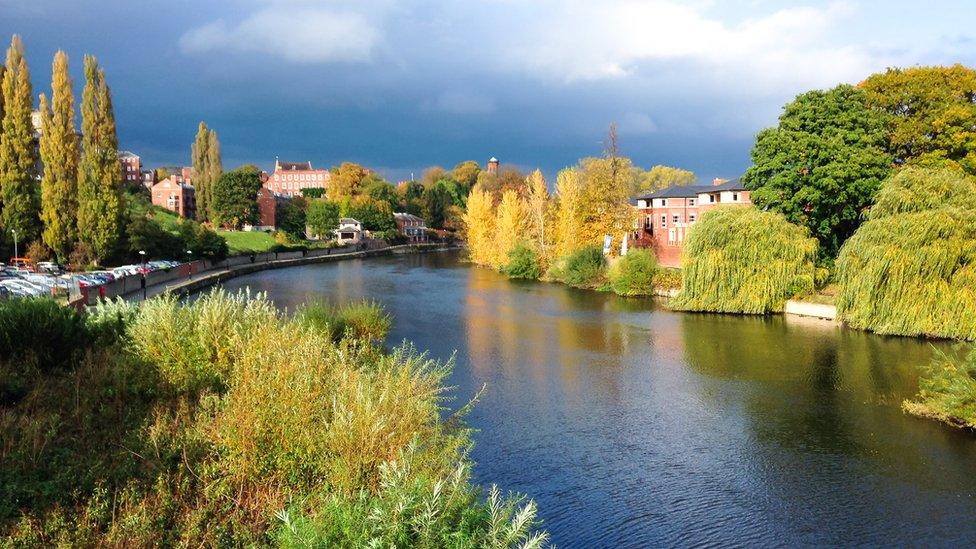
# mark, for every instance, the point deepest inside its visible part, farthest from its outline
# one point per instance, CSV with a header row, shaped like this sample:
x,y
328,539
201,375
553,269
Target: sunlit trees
x,y
662,177
822,164
511,222
18,159
60,156
479,221
207,168
347,180
234,197
322,217
99,174
930,114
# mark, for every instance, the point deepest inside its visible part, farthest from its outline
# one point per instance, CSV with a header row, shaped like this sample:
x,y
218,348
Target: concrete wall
x,y
816,310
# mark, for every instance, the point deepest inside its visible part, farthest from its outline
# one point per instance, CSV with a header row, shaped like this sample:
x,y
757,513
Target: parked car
x,y
48,267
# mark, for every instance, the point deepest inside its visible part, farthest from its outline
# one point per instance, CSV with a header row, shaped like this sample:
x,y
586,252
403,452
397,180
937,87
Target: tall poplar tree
x,y
511,222
214,167
18,158
100,174
202,184
479,221
59,152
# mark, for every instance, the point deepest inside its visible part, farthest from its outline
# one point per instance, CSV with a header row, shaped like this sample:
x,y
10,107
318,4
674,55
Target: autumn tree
x,y
661,177
537,205
18,159
60,155
99,174
213,167
822,164
479,222
347,180
466,173
569,213
511,222
930,114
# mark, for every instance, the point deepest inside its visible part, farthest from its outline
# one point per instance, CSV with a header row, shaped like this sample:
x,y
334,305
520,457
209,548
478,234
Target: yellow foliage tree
x,y
539,233
511,223
569,219
479,219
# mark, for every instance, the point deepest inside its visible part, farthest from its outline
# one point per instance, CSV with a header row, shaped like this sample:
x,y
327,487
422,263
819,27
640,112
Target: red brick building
x,y
291,178
268,203
131,167
665,216
176,196
411,226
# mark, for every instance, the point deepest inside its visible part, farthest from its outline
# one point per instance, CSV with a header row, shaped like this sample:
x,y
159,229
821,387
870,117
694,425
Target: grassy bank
x,y
224,422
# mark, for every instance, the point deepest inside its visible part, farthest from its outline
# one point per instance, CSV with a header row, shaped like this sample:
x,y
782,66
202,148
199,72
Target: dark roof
x,y
293,166
690,191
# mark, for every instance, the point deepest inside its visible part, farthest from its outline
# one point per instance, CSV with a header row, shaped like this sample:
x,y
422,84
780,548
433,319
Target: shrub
x,y
911,268
634,273
741,260
523,262
583,268
947,391
667,278
363,320
37,252
41,331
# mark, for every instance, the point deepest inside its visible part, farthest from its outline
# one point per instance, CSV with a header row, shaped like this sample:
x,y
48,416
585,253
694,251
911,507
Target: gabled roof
x,y
403,216
691,191
293,166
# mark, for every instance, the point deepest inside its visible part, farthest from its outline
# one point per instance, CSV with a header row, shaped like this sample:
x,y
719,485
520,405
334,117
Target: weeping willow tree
x,y
742,260
911,268
947,391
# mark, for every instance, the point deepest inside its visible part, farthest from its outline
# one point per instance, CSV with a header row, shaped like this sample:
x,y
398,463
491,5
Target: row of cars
x,y
22,279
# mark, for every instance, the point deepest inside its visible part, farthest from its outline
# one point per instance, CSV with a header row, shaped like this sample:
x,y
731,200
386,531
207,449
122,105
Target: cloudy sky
x,y
399,85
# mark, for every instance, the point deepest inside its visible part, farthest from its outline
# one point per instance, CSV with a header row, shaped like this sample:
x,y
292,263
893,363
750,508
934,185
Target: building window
x,y
691,218
691,201
664,221
735,197
711,198
675,218
664,201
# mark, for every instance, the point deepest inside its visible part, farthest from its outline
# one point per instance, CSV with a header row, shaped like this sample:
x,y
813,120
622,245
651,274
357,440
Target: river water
x,y
633,426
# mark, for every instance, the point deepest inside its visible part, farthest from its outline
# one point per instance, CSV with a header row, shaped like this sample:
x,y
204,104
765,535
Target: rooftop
x,y
293,166
691,191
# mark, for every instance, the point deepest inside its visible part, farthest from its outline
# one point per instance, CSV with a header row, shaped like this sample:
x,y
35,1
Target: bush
x,y
42,332
634,273
947,391
583,268
365,320
523,263
667,278
741,260
212,418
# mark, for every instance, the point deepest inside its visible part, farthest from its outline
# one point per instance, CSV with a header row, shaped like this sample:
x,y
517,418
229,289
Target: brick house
x,y
291,178
174,195
268,204
665,216
131,167
411,226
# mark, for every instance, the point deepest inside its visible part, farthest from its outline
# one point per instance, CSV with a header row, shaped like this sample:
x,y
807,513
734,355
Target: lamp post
x,y
142,257
14,231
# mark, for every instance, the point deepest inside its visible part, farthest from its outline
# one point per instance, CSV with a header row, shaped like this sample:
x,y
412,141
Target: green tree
x,y
822,164
322,217
99,174
662,177
930,114
374,215
436,200
214,166
60,154
199,155
18,159
382,191
235,197
291,217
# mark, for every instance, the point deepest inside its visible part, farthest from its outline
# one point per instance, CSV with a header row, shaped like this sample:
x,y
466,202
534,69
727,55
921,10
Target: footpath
x,y
197,275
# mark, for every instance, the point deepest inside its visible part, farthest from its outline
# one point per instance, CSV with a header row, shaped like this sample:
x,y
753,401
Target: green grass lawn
x,y
241,242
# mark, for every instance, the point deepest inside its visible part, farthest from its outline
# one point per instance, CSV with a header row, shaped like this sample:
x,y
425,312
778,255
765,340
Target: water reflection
x,y
632,425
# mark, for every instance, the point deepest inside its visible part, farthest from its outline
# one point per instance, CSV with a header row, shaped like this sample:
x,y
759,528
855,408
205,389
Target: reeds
x,y
741,260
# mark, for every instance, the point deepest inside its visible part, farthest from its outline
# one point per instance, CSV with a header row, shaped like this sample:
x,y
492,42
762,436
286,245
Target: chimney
x,y
718,181
493,165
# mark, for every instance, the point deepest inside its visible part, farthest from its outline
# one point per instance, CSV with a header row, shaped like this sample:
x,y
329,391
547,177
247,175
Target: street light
x,y
14,231
142,256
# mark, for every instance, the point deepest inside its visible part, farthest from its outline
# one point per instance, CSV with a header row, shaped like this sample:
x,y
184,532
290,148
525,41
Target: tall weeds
x,y
223,422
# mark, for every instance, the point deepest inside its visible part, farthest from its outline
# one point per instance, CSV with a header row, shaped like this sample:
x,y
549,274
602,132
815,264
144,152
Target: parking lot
x,y
23,279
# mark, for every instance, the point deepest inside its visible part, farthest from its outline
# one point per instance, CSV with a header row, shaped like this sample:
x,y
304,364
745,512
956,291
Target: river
x,y
634,426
